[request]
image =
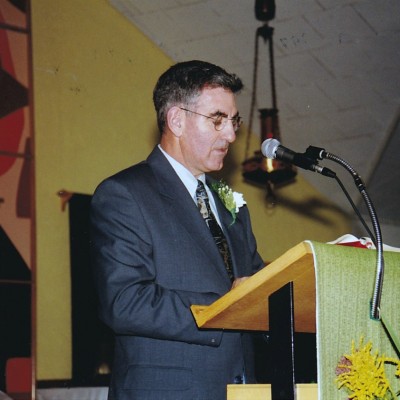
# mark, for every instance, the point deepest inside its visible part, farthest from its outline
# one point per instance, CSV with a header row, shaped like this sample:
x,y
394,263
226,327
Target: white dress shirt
x,y
190,182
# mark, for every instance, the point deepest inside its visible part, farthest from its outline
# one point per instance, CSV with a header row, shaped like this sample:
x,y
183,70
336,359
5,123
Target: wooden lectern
x,y
332,287
247,306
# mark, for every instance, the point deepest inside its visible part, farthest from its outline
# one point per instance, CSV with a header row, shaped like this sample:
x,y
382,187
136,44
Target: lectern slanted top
x,y
246,306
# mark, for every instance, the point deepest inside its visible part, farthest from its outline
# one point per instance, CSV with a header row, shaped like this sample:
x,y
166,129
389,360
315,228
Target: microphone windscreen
x,y
269,147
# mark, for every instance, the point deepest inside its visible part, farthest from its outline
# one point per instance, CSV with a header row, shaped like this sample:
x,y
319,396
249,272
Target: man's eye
x,y
219,119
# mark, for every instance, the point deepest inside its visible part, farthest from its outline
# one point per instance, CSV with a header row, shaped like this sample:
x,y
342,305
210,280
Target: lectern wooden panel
x,y
246,306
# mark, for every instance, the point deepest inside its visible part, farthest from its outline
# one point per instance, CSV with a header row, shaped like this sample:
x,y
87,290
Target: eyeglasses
x,y
220,120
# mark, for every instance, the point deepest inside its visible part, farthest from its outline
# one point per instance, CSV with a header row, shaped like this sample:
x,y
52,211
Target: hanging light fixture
x,y
257,169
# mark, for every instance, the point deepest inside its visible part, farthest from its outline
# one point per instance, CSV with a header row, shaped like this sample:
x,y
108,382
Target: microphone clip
x,y
315,153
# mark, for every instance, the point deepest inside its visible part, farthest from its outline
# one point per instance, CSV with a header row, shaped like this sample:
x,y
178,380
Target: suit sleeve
x,y
131,301
257,262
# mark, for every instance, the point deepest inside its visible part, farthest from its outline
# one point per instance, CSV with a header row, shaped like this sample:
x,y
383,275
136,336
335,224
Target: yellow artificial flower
x,y
362,374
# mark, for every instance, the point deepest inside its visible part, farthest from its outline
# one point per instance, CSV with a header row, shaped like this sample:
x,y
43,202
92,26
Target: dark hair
x,y
184,81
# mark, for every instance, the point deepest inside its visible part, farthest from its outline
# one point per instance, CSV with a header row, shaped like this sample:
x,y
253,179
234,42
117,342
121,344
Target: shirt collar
x,y
187,178
190,181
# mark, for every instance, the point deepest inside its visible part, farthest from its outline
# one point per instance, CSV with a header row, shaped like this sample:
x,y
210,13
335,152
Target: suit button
x,y
238,379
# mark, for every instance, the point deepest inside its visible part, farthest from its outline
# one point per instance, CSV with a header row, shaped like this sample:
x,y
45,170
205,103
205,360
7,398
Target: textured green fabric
x,y
345,278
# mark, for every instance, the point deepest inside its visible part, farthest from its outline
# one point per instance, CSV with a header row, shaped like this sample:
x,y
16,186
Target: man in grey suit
x,y
154,254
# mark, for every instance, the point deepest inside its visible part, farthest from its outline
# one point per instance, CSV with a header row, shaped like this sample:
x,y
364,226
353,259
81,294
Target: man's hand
x,y
238,281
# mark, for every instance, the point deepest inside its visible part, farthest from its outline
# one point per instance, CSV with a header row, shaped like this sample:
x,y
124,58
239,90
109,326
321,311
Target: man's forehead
x,y
216,97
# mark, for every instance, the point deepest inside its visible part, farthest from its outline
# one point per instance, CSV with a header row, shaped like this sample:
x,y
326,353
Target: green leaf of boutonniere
x,y
230,199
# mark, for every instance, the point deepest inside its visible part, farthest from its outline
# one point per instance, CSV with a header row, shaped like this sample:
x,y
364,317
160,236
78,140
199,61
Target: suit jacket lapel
x,y
180,204
233,233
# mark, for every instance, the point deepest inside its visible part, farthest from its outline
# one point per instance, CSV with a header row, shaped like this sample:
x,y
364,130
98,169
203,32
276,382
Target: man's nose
x,y
229,132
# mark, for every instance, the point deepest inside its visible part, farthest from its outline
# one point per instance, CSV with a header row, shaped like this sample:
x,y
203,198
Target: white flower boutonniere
x,y
231,200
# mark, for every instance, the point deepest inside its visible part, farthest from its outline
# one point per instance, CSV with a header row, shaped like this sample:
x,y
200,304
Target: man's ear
x,y
175,120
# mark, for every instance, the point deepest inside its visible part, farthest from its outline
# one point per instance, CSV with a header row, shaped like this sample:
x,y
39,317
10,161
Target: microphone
x,y
271,148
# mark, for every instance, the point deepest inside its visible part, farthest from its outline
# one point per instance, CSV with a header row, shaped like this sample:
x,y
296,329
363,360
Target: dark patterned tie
x,y
203,203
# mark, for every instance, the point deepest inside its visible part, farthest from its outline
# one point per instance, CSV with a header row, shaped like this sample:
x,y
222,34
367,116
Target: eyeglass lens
x,y
220,122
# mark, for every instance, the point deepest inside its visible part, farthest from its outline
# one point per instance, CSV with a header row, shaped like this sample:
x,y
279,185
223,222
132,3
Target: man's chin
x,y
216,168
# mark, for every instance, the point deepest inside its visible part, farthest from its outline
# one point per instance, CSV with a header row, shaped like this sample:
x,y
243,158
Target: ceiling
x,y
337,76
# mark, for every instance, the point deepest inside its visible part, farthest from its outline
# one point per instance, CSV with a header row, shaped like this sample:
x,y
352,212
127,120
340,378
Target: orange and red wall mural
x,y
16,181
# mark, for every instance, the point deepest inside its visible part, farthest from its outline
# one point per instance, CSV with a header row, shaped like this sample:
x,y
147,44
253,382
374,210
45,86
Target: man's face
x,y
203,148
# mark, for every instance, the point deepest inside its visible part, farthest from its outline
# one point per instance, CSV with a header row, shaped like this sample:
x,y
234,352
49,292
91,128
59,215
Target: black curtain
x,y
15,305
92,341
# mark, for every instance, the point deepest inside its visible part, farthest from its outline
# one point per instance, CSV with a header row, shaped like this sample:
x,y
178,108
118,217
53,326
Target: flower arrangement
x,y
363,374
231,200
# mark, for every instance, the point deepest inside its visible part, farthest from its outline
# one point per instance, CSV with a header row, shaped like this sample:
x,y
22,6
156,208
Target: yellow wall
x,y
93,78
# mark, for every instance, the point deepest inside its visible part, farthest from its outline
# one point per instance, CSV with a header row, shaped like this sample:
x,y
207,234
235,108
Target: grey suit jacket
x,y
153,257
